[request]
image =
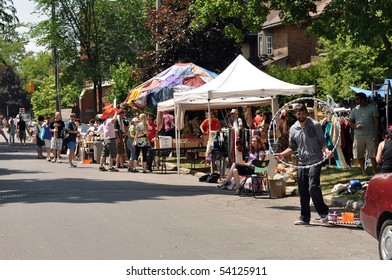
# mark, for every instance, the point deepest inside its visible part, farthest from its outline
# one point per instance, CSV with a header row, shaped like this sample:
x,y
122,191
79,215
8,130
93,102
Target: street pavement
x,y
50,211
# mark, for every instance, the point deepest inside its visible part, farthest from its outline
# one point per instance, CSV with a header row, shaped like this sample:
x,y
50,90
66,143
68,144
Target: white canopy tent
x,y
240,84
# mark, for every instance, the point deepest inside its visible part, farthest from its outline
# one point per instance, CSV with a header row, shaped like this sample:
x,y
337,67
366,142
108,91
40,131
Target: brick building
x,y
287,45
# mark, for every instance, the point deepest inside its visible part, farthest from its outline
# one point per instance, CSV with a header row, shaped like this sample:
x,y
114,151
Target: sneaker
x,y
113,169
301,222
49,159
323,219
53,160
59,161
135,170
223,185
72,165
101,168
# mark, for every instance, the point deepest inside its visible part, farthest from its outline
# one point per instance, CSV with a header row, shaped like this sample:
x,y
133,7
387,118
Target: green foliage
x,y
298,76
44,99
237,14
11,92
347,64
179,42
93,35
34,67
122,82
8,17
69,95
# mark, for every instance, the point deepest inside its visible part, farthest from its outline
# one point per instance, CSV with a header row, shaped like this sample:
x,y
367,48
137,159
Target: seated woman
x,y
257,151
384,153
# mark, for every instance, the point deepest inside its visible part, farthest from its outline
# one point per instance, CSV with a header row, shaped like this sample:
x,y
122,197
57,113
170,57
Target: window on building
x,y
269,45
265,47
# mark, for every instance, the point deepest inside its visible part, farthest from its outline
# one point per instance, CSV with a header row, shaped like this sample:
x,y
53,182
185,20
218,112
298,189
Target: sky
x,y
24,11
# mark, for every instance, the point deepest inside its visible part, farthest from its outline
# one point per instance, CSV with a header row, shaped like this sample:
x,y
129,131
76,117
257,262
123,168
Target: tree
x,y
92,35
240,14
347,64
124,78
43,100
177,41
8,17
12,96
35,67
367,23
11,42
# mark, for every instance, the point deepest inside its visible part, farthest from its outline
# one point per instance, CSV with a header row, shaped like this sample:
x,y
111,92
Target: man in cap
x,y
235,121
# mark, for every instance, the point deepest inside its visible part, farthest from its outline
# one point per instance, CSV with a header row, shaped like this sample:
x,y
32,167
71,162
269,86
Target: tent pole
x,y
387,104
177,135
209,129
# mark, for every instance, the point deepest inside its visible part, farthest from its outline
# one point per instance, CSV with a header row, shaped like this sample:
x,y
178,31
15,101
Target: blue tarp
x,y
365,91
381,91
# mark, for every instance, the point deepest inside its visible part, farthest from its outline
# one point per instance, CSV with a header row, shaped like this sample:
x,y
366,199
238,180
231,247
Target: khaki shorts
x,y
363,143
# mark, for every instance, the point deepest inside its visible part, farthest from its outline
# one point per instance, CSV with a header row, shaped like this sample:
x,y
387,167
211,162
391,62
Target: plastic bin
x,y
165,142
98,147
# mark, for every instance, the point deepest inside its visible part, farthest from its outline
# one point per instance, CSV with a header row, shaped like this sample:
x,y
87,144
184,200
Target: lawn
x,y
330,176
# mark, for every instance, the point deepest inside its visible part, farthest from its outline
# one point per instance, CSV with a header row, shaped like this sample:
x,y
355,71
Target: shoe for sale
x,y
113,169
301,222
323,219
101,168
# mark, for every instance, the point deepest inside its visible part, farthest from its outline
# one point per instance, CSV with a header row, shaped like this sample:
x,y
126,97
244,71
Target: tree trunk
x,y
95,98
100,94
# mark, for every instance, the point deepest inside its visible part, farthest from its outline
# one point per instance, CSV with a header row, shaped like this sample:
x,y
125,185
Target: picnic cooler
x,y
277,188
165,142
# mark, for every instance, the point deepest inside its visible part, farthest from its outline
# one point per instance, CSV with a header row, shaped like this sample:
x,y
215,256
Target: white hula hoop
x,y
278,113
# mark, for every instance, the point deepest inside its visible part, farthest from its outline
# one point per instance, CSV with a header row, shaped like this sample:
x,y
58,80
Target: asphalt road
x,y
49,211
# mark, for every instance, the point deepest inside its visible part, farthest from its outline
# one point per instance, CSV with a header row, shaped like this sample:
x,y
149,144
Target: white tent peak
x,y
243,79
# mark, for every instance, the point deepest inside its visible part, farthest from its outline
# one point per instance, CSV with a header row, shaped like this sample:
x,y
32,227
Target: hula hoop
x,y
278,113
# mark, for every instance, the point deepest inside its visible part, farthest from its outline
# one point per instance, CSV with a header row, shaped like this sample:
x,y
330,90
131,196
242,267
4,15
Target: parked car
x,y
376,214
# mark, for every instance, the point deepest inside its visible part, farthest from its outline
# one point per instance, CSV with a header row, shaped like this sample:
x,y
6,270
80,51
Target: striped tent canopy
x,y
177,78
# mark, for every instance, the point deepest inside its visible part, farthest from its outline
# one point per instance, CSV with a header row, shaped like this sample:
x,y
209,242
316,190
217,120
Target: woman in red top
x,y
215,124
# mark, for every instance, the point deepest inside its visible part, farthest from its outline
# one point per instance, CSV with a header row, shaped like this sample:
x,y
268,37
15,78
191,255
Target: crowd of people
x,y
124,139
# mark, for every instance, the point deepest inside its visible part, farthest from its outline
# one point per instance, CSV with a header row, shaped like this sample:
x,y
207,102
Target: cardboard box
x,y
165,142
204,140
277,188
192,144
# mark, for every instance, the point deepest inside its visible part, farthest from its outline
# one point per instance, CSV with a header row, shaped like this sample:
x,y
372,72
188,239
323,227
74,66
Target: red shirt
x,y
256,120
215,125
152,130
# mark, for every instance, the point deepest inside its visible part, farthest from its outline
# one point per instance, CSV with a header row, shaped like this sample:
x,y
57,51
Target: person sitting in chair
x,y
257,151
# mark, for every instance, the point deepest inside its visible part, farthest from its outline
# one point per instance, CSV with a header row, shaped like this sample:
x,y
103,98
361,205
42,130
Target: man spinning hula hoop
x,y
307,137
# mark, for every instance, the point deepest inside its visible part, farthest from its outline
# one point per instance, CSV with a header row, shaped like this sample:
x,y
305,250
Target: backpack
x,y
213,178
210,178
203,178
